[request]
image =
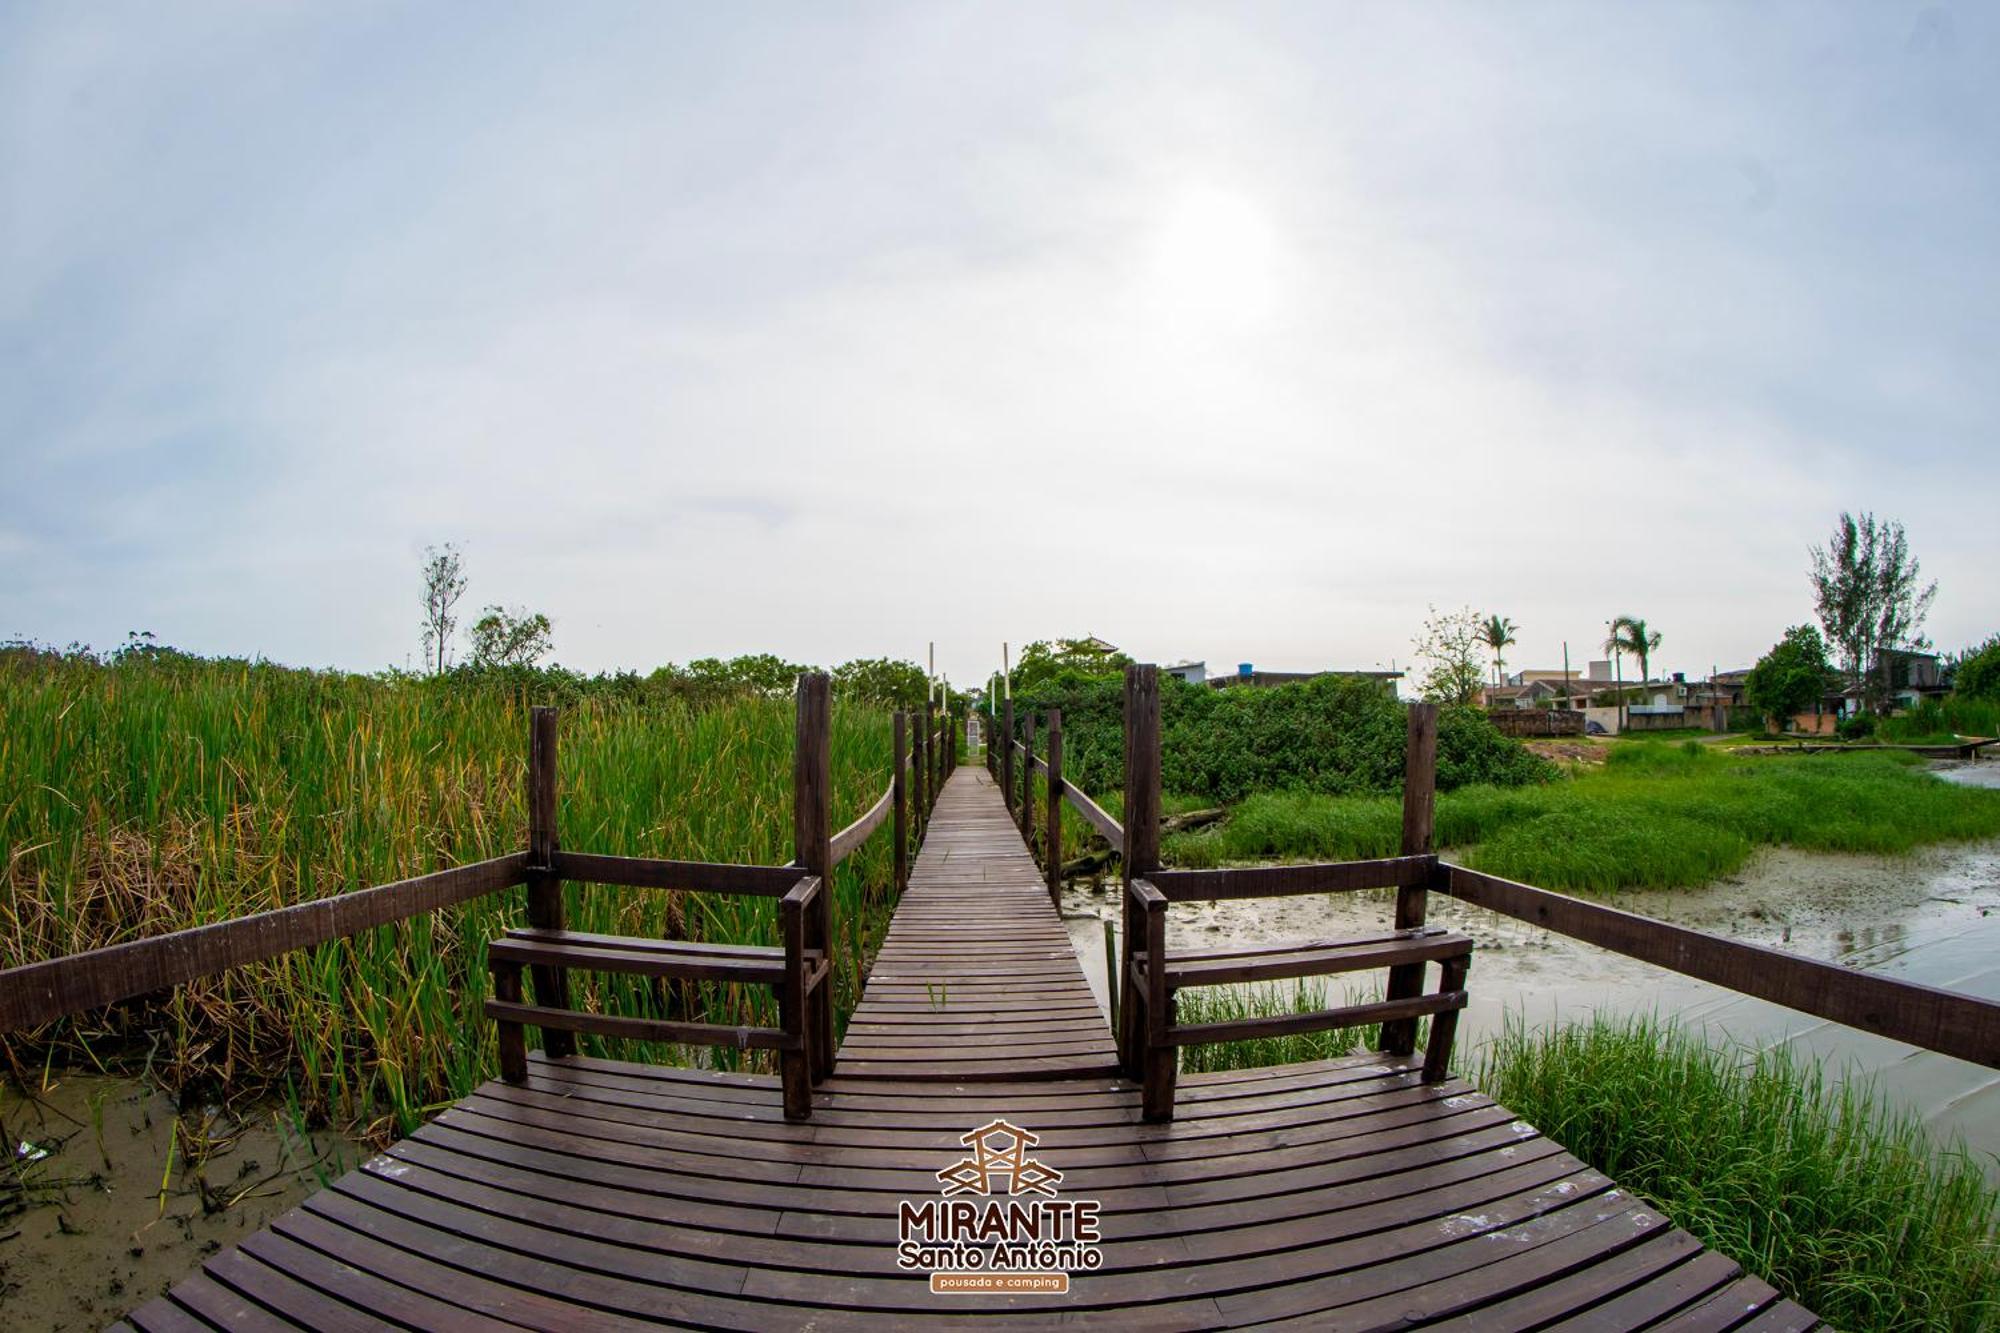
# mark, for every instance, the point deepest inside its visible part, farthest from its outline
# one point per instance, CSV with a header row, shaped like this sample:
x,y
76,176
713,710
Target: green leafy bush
x,y
1330,735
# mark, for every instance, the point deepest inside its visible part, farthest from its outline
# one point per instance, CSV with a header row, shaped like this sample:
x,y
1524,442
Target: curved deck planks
x,y
1342,1194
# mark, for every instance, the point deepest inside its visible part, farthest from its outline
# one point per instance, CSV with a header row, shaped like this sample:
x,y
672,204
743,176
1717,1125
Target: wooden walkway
x,y
977,979
1342,1194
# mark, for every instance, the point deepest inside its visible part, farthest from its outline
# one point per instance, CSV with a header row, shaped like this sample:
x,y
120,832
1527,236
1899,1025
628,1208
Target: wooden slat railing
x,y
641,872
849,839
1945,1021
39,992
1206,886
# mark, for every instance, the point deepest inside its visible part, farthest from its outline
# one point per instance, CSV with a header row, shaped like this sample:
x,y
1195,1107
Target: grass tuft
x,y
1848,1206
1657,815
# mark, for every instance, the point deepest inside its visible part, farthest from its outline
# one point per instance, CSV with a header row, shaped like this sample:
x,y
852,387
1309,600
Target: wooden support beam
x,y
901,794
1399,1036
1142,838
812,840
1052,822
545,896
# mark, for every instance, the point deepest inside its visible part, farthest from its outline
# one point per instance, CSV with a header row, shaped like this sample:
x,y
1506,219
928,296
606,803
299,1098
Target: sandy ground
x,y
83,1234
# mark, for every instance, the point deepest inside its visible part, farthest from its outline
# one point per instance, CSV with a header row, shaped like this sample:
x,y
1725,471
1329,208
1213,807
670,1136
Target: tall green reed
x,y
143,797
1847,1205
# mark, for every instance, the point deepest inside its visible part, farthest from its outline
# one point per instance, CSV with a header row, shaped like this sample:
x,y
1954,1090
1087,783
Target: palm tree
x,y
1498,634
1642,644
1630,635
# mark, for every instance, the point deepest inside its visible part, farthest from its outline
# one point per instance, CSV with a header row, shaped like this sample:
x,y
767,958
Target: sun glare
x,y
1214,256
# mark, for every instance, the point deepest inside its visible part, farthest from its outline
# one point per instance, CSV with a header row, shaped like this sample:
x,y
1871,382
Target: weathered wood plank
x,y
1200,886
1939,1020
38,992
640,872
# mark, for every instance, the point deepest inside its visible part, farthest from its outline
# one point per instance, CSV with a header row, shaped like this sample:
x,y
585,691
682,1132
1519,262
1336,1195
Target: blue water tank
x,y
1245,670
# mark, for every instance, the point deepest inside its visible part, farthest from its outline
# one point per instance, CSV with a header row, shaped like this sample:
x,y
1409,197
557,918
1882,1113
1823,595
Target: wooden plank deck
x,y
1341,1194
976,979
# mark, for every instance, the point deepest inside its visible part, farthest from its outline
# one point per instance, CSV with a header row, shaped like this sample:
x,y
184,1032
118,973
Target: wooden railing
x,y
1964,1026
39,992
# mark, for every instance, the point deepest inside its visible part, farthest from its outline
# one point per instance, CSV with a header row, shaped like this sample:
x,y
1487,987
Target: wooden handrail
x,y
1945,1021
38,992
1095,815
642,872
848,839
1205,886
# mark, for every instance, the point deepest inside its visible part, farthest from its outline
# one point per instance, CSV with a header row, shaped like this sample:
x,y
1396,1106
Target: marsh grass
x,y
1655,816
1221,1004
144,797
1848,1206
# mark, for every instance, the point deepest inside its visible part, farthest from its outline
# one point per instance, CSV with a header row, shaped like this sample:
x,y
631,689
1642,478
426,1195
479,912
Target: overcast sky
x,y
1229,332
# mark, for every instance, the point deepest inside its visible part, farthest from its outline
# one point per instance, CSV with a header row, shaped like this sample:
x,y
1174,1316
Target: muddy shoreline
x,y
113,1195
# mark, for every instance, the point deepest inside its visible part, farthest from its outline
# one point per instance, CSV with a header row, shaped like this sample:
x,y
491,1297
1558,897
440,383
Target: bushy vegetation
x,y
1942,720
1976,673
1847,1206
1656,816
1330,735
158,791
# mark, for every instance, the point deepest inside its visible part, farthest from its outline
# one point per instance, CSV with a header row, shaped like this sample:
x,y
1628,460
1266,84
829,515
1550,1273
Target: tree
x,y
1047,660
444,584
502,638
879,680
1868,594
1499,635
1976,674
1632,636
1790,679
1450,643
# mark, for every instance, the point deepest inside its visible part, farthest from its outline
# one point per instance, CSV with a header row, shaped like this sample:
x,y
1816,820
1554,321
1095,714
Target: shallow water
x,y
1932,917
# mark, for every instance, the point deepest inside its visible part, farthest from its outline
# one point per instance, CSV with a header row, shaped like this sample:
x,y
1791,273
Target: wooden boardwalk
x,y
977,980
1341,1194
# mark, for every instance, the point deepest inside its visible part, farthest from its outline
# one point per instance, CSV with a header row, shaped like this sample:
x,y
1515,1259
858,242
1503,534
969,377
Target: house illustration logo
x,y
999,1155
998,1224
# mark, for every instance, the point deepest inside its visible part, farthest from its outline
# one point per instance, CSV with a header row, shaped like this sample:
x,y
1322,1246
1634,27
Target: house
x,y
1907,678
1194,673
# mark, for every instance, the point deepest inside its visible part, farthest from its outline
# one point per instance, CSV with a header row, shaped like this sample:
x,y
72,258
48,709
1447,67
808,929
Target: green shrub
x,y
1977,674
1329,735
1847,1206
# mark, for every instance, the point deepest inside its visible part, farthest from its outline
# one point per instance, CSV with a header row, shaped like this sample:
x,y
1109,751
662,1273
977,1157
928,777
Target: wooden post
x,y
1028,781
812,840
936,753
1444,1026
1160,1062
1007,753
1052,825
512,1040
1142,840
545,901
919,807
900,800
1406,980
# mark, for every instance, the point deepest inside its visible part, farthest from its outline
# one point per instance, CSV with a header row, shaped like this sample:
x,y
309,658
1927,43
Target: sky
x,y
1236,332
